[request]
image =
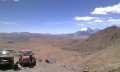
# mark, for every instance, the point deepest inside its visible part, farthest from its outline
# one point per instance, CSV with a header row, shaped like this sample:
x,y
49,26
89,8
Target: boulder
x,y
51,59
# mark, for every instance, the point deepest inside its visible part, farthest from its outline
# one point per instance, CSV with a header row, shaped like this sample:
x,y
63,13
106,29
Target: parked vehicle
x,y
7,57
25,57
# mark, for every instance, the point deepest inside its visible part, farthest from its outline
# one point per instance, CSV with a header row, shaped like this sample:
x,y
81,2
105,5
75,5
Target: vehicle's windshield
x,y
5,52
26,53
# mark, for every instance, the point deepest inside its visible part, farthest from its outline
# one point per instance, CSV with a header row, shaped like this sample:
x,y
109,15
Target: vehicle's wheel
x,y
34,63
12,65
22,64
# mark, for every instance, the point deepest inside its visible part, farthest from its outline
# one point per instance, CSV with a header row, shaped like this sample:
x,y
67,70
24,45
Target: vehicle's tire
x,y
22,64
12,65
34,63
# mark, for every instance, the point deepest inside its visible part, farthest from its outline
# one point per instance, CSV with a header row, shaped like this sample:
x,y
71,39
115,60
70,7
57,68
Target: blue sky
x,y
57,16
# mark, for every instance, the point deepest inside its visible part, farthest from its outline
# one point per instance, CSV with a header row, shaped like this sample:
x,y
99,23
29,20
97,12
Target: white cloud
x,y
8,23
109,17
98,21
95,21
106,10
115,21
80,24
90,22
12,0
16,0
86,18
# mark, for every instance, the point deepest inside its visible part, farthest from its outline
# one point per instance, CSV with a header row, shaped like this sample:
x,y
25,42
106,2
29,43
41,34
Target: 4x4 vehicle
x,y
7,57
25,57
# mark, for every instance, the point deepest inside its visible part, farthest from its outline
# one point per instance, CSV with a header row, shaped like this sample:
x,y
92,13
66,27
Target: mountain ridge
x,y
83,32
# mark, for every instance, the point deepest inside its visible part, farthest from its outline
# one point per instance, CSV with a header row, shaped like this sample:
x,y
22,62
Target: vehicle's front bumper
x,y
2,62
28,62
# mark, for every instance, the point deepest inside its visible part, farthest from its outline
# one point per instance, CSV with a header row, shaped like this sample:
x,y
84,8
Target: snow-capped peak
x,y
85,29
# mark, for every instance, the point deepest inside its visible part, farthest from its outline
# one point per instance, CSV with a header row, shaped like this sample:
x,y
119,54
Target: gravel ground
x,y
41,67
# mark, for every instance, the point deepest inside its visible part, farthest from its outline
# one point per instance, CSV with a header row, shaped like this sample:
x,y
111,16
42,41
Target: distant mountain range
x,y
84,32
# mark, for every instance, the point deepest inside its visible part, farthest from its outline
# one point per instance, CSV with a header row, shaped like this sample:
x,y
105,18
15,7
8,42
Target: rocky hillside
x,y
101,40
108,59
101,52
